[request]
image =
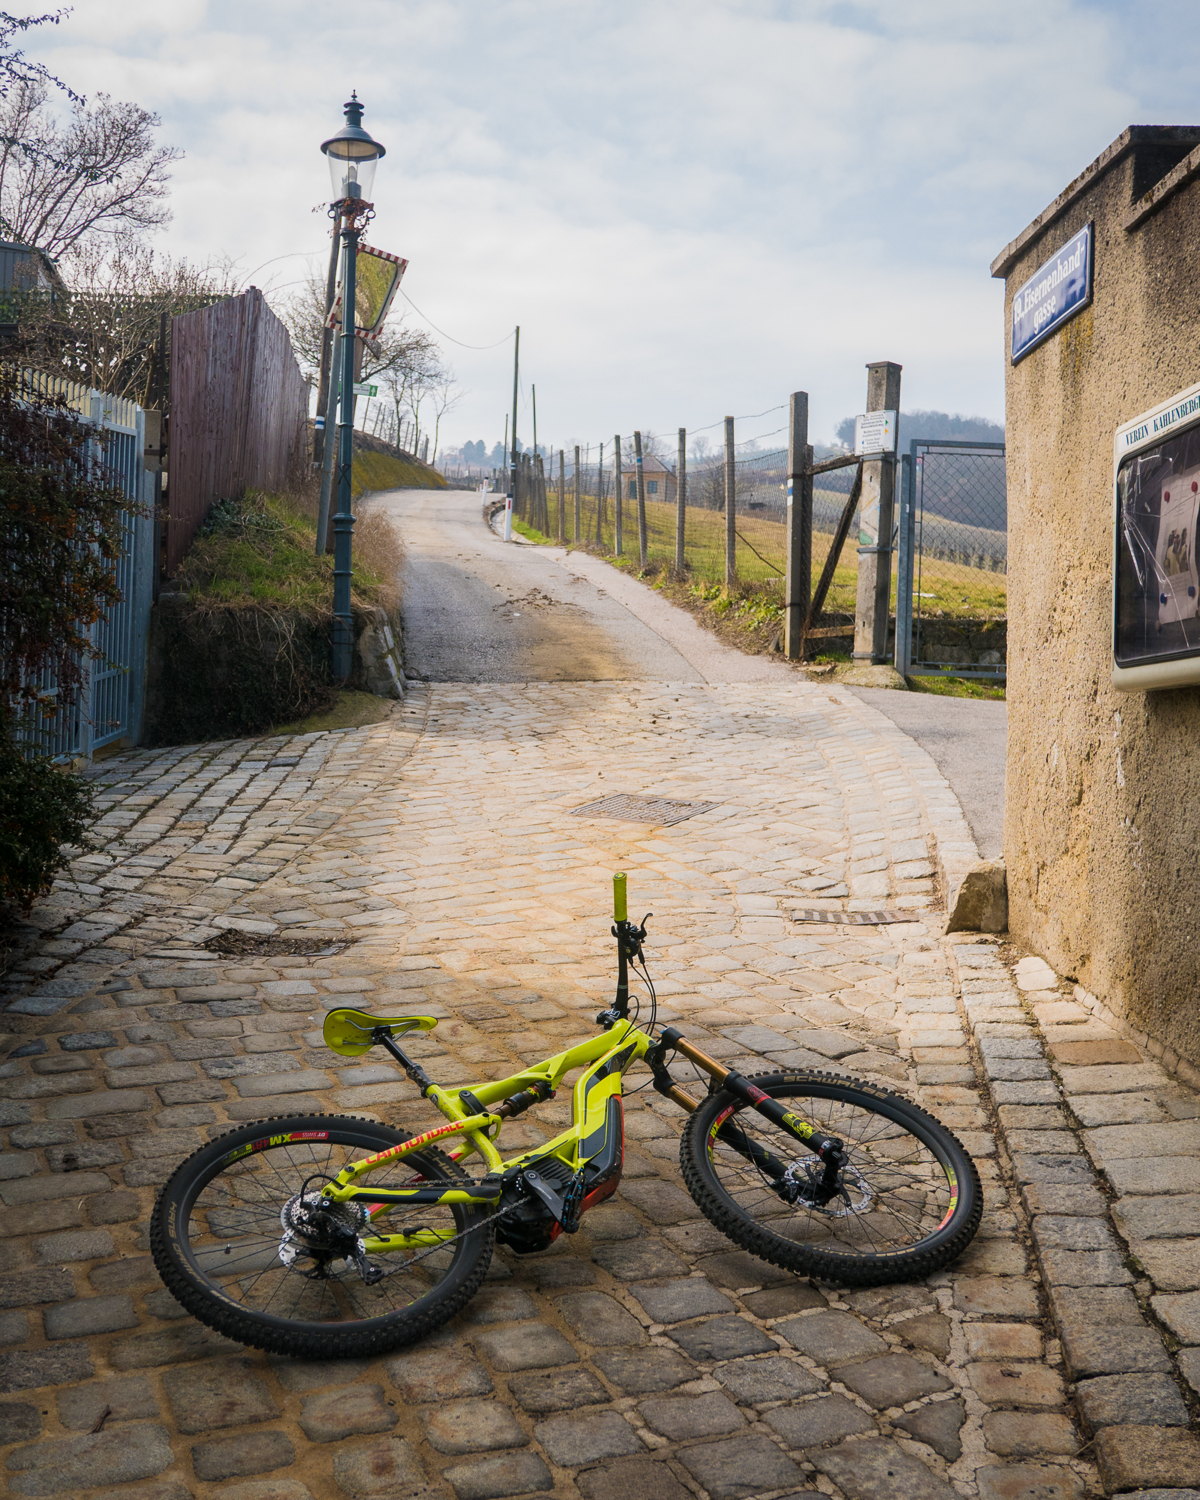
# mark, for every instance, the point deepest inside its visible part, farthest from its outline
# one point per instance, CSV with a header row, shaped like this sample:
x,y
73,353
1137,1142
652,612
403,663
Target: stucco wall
x,y
1102,830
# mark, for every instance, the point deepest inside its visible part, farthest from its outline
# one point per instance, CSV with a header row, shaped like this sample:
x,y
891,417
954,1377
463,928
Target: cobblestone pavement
x,y
646,1356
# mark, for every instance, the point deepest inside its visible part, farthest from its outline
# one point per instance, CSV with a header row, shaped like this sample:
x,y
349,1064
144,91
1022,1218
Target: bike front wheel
x,y
219,1237
909,1199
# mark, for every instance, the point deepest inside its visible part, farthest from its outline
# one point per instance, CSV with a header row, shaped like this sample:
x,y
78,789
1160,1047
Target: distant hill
x,y
932,425
969,491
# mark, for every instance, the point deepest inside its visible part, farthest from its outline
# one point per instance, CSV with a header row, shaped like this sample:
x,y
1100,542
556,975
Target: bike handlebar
x,y
620,905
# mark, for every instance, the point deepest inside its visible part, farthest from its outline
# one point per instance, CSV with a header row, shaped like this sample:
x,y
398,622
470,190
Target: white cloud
x,y
690,206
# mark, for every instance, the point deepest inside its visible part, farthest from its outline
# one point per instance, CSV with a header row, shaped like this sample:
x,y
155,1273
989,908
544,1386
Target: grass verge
x,y
957,687
351,709
385,471
530,534
260,552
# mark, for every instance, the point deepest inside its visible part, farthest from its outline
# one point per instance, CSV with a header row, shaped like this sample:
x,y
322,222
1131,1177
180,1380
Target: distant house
x,y
25,268
660,481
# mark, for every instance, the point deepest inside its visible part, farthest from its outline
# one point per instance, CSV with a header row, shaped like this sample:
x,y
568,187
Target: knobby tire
x,y
919,1196
222,1194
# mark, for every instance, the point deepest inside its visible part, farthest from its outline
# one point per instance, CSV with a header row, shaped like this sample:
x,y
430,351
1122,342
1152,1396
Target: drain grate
x,y
235,943
879,918
629,809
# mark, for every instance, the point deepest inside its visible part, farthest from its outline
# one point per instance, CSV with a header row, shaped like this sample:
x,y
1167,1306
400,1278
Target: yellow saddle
x,y
349,1031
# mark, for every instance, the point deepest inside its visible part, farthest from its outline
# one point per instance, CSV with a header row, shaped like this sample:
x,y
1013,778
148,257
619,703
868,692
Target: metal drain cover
x,y
855,918
233,942
661,810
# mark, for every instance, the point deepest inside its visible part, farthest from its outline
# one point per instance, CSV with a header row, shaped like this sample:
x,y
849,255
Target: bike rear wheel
x,y
219,1227
911,1199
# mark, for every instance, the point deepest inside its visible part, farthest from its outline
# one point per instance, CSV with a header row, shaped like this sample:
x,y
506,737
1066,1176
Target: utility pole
x,y
562,501
322,436
875,525
641,499
798,578
510,498
328,453
730,509
681,503
619,485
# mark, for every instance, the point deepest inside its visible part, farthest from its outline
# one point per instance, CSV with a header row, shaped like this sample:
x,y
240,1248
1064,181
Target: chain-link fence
x,y
952,589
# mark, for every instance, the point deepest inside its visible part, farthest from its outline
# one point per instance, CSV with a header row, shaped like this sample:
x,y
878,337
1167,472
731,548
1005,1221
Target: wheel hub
x,y
803,1182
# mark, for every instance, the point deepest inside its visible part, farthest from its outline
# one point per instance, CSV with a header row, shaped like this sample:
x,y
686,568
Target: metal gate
x,y
952,561
108,707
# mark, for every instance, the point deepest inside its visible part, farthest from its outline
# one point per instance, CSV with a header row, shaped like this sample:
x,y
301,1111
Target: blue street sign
x,y
1055,292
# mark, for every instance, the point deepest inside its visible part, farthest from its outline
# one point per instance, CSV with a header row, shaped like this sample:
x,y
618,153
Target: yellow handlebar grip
x,y
620,909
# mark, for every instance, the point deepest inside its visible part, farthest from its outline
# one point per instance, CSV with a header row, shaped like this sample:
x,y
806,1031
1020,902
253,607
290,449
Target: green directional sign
x,y
363,389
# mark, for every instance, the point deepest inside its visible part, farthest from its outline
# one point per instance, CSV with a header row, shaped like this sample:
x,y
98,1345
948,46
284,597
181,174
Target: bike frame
x,y
603,1060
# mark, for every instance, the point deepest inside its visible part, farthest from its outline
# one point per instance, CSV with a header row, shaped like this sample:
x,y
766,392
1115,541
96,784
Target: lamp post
x,y
352,154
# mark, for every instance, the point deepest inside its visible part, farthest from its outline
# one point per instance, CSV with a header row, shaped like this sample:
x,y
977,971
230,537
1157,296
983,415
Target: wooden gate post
x,y
798,579
577,497
617,495
875,526
681,503
641,498
730,508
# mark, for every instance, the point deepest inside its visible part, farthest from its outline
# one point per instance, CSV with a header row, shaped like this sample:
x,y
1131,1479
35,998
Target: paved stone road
x,y
644,1357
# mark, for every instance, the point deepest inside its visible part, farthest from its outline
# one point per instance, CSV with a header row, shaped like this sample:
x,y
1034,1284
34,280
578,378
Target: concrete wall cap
x,y
1178,177
1130,138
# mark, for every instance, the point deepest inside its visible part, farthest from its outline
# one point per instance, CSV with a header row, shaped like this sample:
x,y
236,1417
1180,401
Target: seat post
x,y
383,1038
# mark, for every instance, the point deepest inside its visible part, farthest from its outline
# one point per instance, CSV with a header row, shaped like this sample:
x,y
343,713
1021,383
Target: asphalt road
x,y
477,609
966,739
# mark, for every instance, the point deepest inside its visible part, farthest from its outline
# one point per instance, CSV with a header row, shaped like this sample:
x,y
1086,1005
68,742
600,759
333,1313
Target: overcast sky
x,y
691,207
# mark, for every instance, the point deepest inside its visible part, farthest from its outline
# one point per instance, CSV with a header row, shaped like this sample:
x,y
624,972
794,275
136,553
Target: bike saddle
x,y
350,1031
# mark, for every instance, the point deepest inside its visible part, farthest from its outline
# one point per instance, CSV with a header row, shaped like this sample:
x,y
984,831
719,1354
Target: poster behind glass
x,y
1157,603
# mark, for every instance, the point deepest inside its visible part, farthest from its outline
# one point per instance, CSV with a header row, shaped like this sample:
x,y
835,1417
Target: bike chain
x,y
415,1259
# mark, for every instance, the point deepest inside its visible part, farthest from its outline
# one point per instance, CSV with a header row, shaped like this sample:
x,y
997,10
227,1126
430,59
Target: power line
x,y
745,441
749,417
450,336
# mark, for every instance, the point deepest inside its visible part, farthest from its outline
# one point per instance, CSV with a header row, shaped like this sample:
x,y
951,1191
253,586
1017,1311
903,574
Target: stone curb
x,y
1129,1390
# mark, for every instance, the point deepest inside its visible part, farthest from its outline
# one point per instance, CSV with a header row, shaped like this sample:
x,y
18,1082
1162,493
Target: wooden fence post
x,y
619,482
640,473
681,503
562,500
798,580
600,497
578,501
875,526
730,508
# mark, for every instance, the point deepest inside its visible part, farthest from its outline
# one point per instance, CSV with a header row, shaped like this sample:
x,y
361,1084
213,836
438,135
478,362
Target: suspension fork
x,y
828,1148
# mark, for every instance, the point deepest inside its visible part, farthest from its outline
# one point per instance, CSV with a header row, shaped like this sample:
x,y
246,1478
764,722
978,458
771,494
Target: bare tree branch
x,y
406,361
100,174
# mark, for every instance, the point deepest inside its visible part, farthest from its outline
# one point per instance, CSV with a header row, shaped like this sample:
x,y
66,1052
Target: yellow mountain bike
x,y
324,1236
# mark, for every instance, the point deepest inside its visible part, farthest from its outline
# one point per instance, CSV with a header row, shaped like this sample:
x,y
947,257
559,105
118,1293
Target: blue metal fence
x,y
108,707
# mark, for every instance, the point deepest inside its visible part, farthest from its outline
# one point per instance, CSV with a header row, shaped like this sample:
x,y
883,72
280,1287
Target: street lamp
x,y
352,154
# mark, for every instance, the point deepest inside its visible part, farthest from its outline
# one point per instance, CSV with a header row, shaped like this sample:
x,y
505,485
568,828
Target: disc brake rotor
x,y
852,1196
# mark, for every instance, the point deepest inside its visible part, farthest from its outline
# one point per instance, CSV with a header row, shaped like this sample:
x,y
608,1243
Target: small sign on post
x,y
875,432
364,389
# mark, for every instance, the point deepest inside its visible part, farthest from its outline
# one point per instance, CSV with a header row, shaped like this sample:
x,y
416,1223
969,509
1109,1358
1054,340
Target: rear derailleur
x,y
326,1233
